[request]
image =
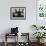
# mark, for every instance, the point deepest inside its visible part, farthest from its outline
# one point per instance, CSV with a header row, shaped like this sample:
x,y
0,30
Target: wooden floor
x,y
13,44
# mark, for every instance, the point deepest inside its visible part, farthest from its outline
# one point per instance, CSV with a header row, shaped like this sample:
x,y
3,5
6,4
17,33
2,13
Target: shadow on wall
x,y
7,31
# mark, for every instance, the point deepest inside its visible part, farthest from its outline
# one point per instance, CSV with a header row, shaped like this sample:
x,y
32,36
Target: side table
x,y
8,34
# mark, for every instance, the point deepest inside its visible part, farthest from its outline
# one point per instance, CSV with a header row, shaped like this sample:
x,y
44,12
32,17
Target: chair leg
x,y
5,39
5,43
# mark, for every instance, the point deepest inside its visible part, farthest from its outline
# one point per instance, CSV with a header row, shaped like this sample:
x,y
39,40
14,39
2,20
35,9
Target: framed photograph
x,y
18,13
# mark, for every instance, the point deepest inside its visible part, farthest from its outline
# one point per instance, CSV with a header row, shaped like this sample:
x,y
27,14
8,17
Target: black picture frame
x,y
18,13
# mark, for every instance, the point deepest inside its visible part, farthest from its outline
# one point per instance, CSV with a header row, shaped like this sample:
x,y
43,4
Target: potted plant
x,y
39,35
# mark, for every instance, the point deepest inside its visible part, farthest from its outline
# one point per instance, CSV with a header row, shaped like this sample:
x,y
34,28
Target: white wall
x,y
24,25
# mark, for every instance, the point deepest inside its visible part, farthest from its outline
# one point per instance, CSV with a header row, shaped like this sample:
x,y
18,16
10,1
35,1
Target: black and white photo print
x,y
17,13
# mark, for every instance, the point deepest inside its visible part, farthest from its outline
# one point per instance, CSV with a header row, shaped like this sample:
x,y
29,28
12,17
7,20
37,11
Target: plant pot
x,y
40,41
